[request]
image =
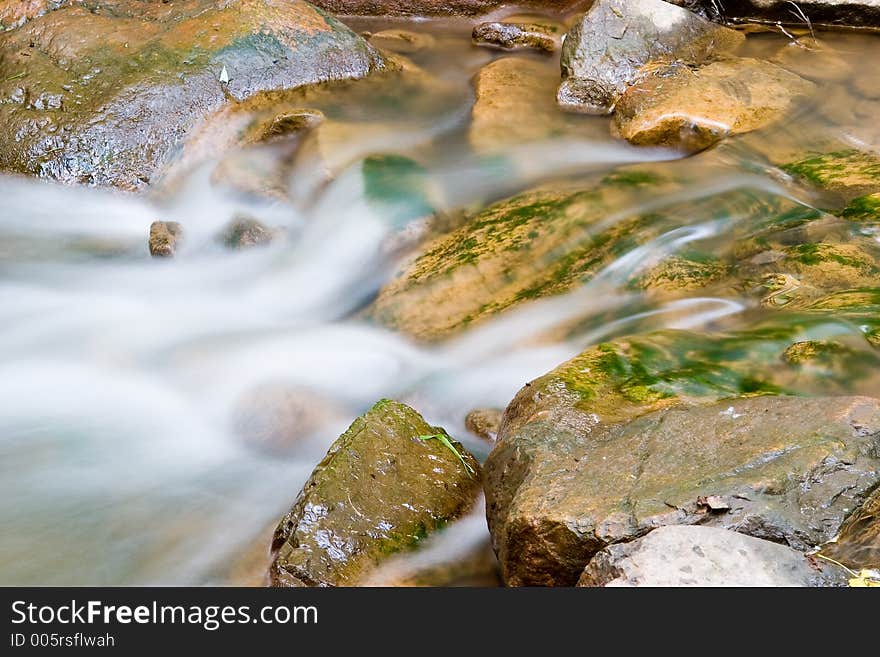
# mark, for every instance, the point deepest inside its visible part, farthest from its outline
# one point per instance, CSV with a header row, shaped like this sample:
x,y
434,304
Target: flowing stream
x,y
121,376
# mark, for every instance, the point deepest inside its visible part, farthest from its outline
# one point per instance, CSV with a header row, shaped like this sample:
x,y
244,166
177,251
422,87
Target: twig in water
x,y
800,14
16,76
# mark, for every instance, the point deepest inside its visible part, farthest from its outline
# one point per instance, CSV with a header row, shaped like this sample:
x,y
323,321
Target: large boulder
x,y
706,556
618,42
692,109
804,13
627,437
104,92
388,482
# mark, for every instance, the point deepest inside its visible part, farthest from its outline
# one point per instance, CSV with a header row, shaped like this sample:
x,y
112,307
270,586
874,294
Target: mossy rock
x,y
550,240
847,173
863,209
380,490
105,92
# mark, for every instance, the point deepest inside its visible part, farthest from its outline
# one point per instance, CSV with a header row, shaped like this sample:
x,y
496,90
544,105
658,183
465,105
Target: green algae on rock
x,y
849,173
112,89
379,491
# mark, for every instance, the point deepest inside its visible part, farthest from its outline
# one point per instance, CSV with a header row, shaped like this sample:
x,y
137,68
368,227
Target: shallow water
x,y
120,375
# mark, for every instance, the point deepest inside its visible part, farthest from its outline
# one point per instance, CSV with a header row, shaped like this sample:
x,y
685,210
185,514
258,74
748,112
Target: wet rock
x,y
866,83
858,545
514,105
460,555
644,431
619,42
278,419
847,173
244,232
683,273
164,238
692,109
405,42
380,490
706,556
807,13
484,422
111,88
517,36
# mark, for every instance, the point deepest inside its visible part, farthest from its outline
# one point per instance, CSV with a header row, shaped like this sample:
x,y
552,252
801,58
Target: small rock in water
x,y
164,238
387,483
516,36
706,556
484,422
404,42
693,109
617,42
243,232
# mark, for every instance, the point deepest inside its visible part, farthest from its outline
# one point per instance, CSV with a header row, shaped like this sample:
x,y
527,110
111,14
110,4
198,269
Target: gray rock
x,y
616,41
790,469
706,556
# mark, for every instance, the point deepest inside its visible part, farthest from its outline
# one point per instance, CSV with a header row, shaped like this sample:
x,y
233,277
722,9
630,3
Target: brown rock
x,y
484,423
164,238
858,545
517,36
693,109
789,468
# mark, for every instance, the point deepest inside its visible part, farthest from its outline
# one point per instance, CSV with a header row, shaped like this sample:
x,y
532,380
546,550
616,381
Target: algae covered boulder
x,y
847,173
104,92
617,41
387,483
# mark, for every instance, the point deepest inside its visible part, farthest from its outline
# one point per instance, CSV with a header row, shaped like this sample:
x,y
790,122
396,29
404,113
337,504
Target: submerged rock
x,y
514,105
517,36
244,232
847,173
382,488
278,419
105,92
706,556
805,13
164,237
858,545
401,41
692,109
619,42
787,469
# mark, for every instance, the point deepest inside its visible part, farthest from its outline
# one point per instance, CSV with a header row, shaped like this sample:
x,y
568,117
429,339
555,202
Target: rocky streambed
x,y
317,295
